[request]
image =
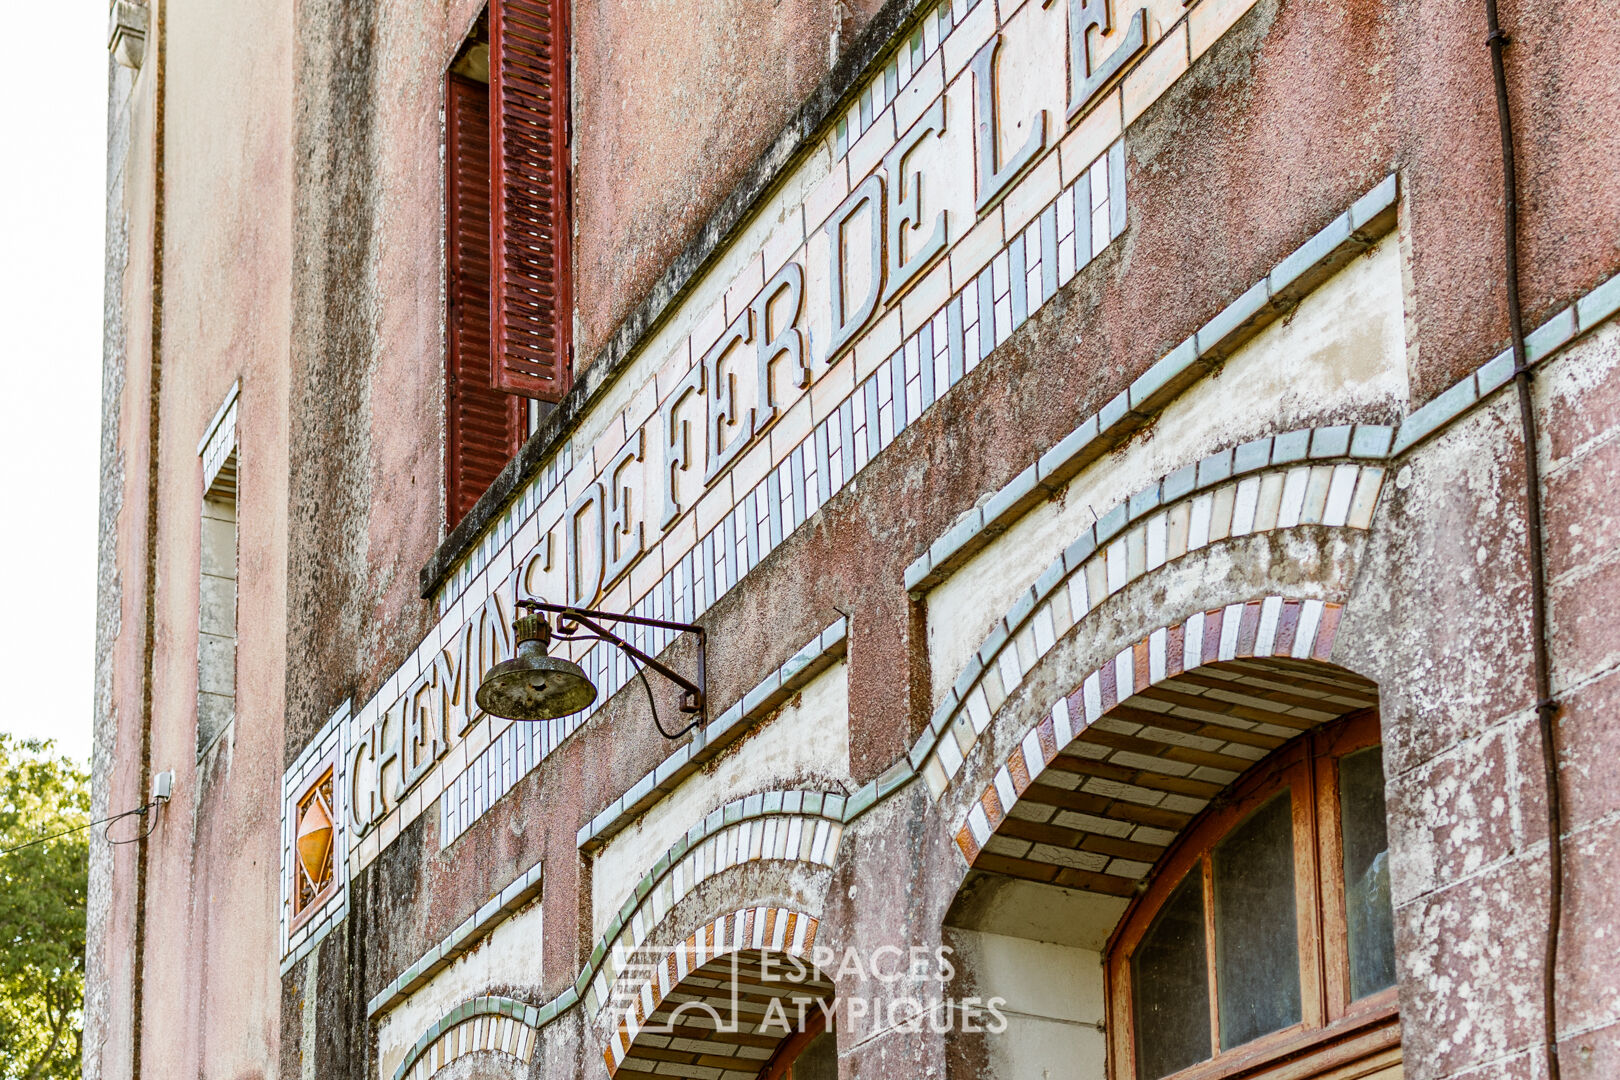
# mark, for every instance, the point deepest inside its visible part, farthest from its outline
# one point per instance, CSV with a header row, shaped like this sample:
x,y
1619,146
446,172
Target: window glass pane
x,y
818,1060
1368,915
1170,985
1256,937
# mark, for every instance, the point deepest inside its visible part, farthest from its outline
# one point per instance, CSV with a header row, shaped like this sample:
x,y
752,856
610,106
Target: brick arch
x,y
700,1005
798,826
1276,488
482,1025
1118,767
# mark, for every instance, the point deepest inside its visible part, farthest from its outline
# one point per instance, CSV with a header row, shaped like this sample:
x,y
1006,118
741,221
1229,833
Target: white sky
x,y
51,215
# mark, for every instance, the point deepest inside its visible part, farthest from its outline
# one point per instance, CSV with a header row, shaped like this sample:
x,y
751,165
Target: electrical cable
x,y
106,834
642,672
108,821
1546,704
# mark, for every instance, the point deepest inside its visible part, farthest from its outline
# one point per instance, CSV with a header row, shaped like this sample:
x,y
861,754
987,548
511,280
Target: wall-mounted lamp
x,y
535,686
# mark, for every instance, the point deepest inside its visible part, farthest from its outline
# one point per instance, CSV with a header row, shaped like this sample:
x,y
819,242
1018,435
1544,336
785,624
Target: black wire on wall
x,y
1546,704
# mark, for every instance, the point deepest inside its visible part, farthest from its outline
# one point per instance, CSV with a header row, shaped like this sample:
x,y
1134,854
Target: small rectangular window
x,y
1256,931
216,585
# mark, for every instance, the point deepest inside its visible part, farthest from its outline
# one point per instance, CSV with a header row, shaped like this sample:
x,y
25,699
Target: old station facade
x,y
1102,514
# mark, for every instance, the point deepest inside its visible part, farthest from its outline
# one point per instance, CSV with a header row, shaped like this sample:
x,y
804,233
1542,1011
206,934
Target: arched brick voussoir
x,y
673,986
1132,542
492,1025
783,827
1106,780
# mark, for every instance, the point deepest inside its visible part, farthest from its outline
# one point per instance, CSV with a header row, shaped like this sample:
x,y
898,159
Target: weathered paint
x,y
302,251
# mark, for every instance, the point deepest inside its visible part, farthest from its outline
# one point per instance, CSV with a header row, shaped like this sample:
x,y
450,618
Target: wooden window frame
x,y
780,1065
1333,1030
509,285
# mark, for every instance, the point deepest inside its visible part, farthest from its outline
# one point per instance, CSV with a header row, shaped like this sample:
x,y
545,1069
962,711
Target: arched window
x,y
1266,934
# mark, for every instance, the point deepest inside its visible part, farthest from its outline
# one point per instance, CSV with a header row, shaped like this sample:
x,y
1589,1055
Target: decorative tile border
x,y
885,88
1347,236
549,478
1300,478
1271,626
494,911
1581,317
330,746
1014,283
489,1024
816,656
1016,280
791,826
781,930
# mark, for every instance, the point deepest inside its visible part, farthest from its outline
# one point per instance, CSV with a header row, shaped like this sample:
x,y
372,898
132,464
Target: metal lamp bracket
x,y
574,624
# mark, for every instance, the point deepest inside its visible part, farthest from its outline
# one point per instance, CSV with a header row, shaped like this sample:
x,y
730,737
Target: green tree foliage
x,y
42,890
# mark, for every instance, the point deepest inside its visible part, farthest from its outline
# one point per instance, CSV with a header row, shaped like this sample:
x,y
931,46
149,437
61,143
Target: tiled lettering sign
x,y
975,174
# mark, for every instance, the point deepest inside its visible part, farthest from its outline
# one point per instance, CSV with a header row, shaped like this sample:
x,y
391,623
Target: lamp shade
x,y
532,685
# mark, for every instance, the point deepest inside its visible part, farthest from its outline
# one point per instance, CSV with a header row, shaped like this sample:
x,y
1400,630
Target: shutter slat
x,y
484,426
532,295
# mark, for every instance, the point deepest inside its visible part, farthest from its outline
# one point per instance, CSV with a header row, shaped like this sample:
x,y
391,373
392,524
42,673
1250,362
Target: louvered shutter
x,y
532,300
485,427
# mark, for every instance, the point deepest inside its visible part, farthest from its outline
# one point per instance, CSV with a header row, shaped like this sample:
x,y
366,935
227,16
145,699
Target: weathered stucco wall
x,y
183,963
296,207
1227,172
673,103
1338,358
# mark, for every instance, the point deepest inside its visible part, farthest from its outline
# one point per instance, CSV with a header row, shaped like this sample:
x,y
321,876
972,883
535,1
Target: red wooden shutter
x,y
484,427
533,306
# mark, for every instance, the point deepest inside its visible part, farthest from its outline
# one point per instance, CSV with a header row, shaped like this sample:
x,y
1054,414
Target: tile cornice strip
x,y
507,1008
1541,345
1347,236
816,656
1222,336
799,137
494,911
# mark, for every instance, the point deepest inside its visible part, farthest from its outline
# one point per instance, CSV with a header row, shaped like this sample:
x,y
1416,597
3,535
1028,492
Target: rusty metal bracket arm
x,y
574,623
